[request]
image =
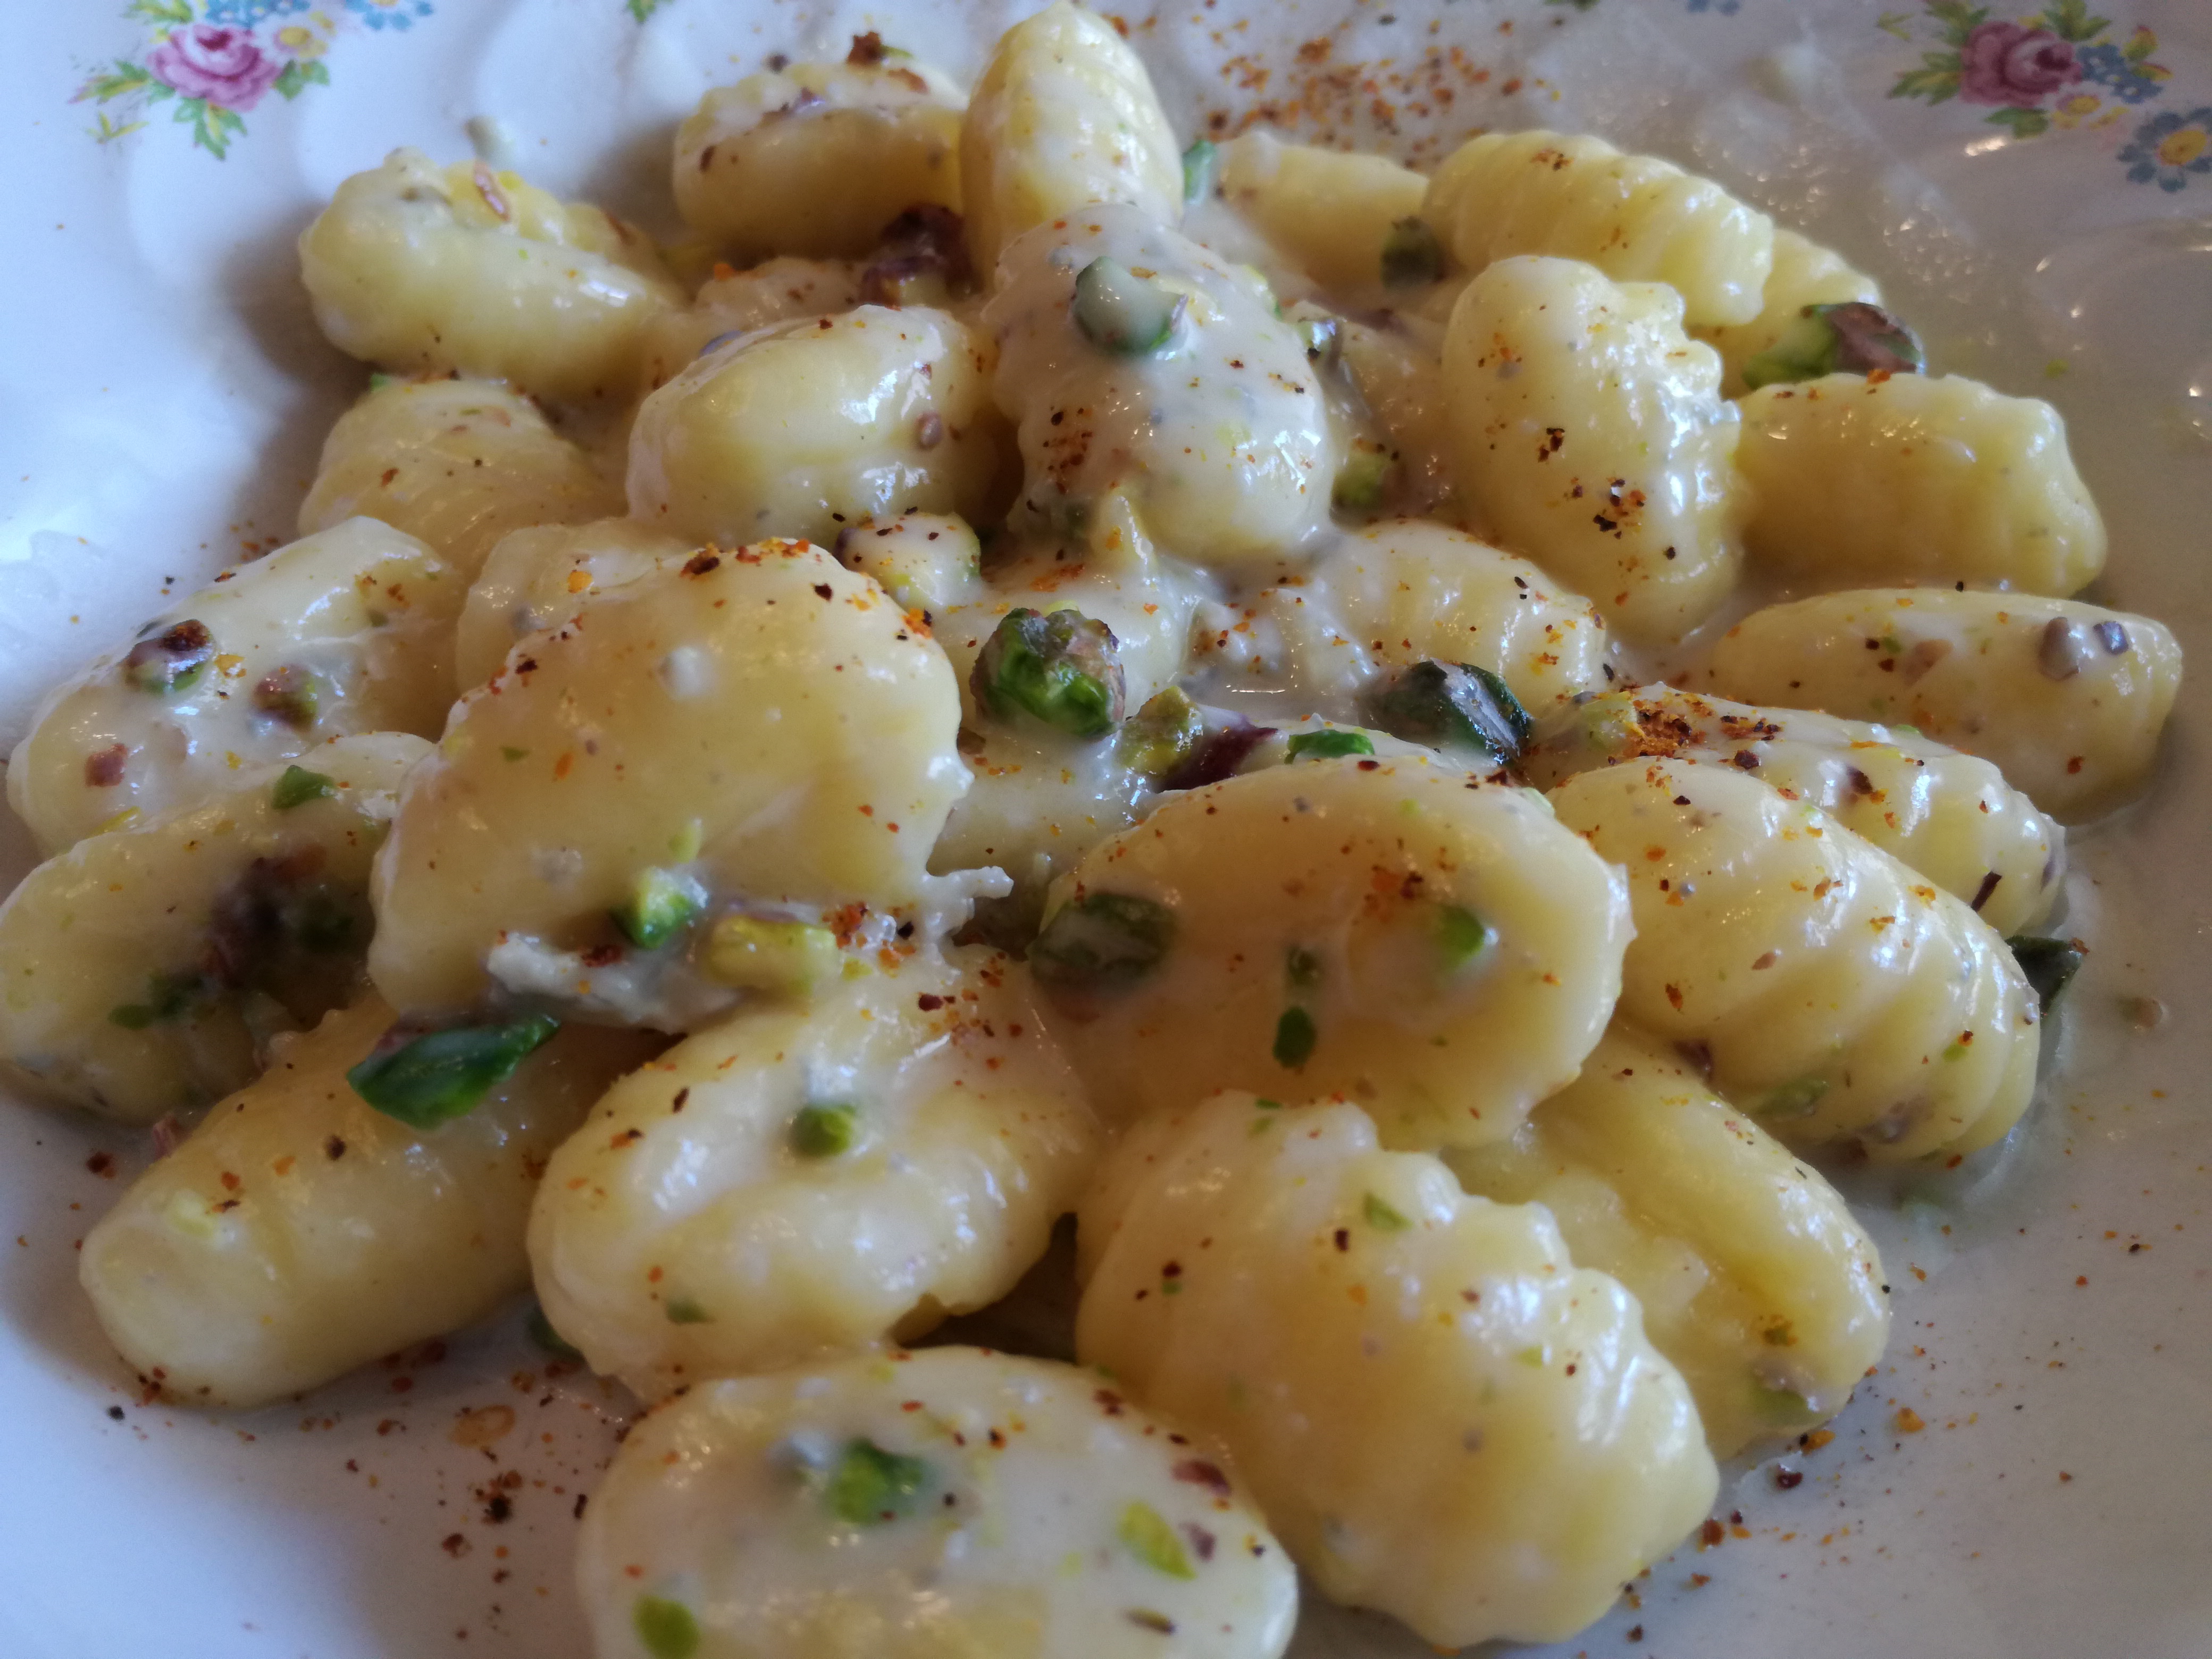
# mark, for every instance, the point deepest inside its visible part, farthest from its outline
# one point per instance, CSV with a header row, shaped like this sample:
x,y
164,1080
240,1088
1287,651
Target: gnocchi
x,y
1443,1415
734,303
537,578
1330,212
1804,274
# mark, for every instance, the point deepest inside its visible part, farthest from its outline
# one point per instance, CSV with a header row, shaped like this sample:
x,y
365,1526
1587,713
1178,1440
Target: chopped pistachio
x,y
1332,743
1462,935
870,1486
685,1310
1412,255
1453,704
1146,1534
172,660
427,1080
1360,484
788,958
662,903
668,1630
825,1130
1781,1406
1062,667
1161,736
1123,313
1853,337
2049,964
1381,1216
1101,941
298,786
1202,164
168,997
1295,1036
291,695
1792,1099
542,1333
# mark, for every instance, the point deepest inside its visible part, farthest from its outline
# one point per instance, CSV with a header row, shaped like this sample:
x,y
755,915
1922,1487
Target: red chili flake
x,y
1674,996
103,769
102,1165
334,1149
698,564
1111,1404
1343,1238
822,590
1710,1533
868,50
682,1099
1787,1478
456,1546
1746,761
1201,1540
929,1002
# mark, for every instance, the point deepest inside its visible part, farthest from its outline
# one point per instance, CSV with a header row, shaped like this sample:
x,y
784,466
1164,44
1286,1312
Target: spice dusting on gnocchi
x,y
1332,724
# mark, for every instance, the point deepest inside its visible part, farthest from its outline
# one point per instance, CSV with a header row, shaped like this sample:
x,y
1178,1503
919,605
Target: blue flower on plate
x,y
2168,147
1726,7
2106,65
389,14
244,14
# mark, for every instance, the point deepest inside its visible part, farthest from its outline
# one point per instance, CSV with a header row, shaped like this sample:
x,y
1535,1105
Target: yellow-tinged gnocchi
x,y
734,303
460,269
2067,699
951,1502
807,1178
1132,359
1805,274
1443,1414
760,727
1393,366
1950,816
1835,994
299,1232
1389,931
1063,116
537,578
1866,479
457,463
1636,218
1330,212
142,972
817,422
929,562
1589,432
1755,1279
815,159
345,631
1405,590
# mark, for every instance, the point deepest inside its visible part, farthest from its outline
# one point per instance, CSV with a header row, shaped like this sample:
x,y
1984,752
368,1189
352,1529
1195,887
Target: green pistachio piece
x,y
168,997
1295,1036
1061,667
1792,1099
1452,704
1163,735
1146,1534
2049,964
298,786
542,1333
1412,255
1333,744
1461,936
825,1130
870,1486
426,1080
787,958
1102,941
1853,337
1202,164
172,660
290,695
1381,1217
1121,313
685,1310
1361,482
668,1630
662,903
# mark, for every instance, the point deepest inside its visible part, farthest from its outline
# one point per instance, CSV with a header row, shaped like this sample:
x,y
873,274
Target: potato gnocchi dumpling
x,y
142,971
928,562
760,726
1330,212
345,631
949,1502
1441,1415
1950,816
803,1180
1132,359
1636,218
1835,994
734,303
538,578
1390,931
460,270
1591,432
1064,116
1755,1279
1804,274
1859,479
1403,592
1395,366
812,424
457,463
815,159
300,1232
2067,699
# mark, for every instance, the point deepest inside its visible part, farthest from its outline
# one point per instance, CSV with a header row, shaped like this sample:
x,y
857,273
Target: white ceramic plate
x,y
2041,205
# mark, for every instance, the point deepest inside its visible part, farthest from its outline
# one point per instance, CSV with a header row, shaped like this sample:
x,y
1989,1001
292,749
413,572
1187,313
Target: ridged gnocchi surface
x,y
815,159
812,1177
299,1232
462,270
1837,995
345,631
143,970
2067,699
1755,1279
761,722
1950,816
1444,1416
1858,479
457,464
1216,435
1636,218
810,424
1591,432
948,1501
1388,931
1064,116
1329,211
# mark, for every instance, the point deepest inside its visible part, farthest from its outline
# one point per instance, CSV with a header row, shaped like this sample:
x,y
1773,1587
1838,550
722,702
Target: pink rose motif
x,y
227,67
2007,63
